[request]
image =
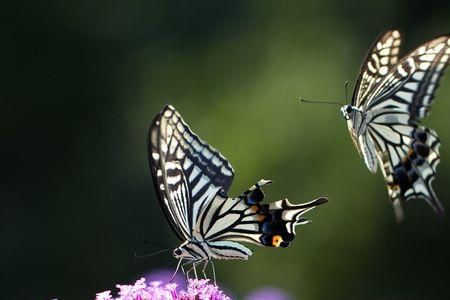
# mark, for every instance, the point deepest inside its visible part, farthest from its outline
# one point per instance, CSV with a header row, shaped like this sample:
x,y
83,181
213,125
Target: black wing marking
x,y
205,170
382,55
409,154
411,84
245,219
177,190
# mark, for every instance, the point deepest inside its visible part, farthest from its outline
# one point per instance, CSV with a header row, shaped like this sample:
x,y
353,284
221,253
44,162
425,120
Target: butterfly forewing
x,y
379,59
187,171
411,84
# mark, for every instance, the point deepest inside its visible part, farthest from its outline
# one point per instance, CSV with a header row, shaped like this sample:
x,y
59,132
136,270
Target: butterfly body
x,y
390,98
357,122
196,251
192,179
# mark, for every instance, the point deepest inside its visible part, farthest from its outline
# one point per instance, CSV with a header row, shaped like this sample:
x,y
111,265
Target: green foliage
x,y
84,81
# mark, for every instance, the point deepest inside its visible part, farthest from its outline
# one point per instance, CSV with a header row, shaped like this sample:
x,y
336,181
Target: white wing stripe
x,y
201,183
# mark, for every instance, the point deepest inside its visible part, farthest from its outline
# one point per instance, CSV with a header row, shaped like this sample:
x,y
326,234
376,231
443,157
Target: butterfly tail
x,y
281,217
277,220
247,219
398,211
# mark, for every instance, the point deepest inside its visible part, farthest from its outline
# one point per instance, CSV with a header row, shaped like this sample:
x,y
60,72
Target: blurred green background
x,y
81,80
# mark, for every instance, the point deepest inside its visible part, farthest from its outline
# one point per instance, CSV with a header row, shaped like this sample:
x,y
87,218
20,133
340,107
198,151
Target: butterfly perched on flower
x,y
192,179
390,98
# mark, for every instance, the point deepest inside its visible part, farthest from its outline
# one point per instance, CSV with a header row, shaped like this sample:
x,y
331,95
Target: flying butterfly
x,y
192,179
390,98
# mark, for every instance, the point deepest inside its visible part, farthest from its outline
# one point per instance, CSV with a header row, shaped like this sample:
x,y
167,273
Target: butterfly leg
x,y
186,273
193,267
205,264
214,271
176,270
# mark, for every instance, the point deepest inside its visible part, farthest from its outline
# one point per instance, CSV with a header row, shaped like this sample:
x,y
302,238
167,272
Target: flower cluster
x,y
197,289
201,289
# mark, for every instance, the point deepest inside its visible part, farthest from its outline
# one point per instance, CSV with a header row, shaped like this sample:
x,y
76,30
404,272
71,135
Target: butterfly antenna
x,y
151,254
148,242
346,94
320,102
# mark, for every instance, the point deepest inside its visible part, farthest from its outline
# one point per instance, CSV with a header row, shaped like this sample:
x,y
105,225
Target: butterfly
x,y
192,179
390,98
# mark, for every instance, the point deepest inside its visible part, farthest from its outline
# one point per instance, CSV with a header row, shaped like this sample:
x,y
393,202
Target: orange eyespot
x,y
260,217
276,240
254,209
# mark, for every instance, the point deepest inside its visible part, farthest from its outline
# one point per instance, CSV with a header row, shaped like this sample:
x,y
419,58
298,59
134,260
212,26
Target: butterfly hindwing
x,y
409,170
407,153
246,219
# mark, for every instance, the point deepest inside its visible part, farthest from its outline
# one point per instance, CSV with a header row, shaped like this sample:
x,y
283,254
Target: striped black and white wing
x,y
382,55
187,172
408,153
226,221
411,84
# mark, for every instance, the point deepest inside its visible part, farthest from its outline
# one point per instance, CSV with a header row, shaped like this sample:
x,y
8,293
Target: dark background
x,y
81,80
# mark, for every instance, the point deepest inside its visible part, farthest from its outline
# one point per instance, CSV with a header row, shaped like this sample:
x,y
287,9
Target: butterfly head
x,y
183,252
347,111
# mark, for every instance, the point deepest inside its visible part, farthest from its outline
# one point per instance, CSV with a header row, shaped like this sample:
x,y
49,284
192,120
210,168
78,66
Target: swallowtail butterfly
x,y
192,179
390,98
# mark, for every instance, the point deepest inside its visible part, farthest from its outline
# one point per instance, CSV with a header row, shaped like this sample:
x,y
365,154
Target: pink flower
x,y
197,289
201,289
106,295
